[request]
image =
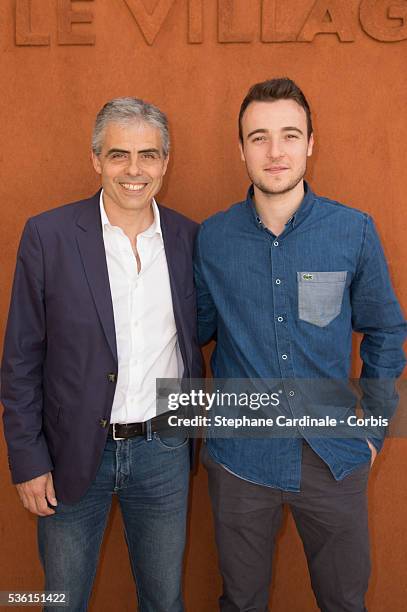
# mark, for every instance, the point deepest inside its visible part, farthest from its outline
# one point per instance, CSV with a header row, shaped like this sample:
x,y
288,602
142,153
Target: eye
x,y
292,136
117,155
150,156
259,138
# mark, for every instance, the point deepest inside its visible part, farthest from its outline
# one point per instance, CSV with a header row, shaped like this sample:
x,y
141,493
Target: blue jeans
x,y
150,478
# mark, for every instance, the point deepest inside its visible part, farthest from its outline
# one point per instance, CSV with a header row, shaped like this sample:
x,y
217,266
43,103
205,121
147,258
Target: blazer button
x,y
103,422
112,377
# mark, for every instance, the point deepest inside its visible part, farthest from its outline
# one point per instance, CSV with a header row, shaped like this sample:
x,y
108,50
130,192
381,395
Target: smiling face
x,y
131,164
275,145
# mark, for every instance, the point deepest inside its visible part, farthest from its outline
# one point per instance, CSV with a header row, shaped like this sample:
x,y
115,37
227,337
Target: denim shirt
x,y
284,308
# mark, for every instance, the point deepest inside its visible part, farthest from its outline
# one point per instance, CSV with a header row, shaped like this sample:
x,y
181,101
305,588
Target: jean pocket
x,y
320,296
171,442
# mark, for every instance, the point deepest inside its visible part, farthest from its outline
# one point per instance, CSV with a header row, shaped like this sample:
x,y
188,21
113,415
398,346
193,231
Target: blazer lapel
x,y
90,242
175,255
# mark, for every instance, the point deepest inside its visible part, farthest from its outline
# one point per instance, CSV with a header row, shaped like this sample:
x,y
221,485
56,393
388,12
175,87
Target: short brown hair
x,y
272,90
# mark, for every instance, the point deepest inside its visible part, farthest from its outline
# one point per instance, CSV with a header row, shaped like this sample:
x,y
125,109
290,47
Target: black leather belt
x,y
123,431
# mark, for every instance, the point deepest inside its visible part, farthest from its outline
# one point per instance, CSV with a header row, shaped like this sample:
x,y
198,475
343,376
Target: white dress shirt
x,y
146,334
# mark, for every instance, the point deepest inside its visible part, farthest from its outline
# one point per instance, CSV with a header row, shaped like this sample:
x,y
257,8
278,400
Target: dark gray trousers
x,y
331,518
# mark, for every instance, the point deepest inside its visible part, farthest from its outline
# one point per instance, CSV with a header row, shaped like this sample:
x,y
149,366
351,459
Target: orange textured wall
x,y
196,59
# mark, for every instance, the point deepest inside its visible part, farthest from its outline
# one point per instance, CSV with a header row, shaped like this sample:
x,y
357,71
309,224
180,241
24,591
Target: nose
x,y
133,166
274,149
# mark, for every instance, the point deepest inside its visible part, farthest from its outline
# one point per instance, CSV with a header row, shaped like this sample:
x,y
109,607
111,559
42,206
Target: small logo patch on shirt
x,y
307,276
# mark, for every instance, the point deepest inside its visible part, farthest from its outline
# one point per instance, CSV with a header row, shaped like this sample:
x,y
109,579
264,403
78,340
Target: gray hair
x,y
127,110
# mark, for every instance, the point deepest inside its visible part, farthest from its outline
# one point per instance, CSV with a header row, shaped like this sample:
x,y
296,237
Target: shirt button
x,y
275,242
135,324
280,319
278,281
291,394
284,356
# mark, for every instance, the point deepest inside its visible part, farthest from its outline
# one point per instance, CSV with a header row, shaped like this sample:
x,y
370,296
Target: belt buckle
x,y
114,433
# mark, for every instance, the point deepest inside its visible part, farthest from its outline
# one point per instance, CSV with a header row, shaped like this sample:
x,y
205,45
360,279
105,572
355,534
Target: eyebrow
x,y
258,131
292,129
152,150
284,129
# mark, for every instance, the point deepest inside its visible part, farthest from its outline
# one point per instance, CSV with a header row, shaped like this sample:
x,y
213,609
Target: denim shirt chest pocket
x,y
320,296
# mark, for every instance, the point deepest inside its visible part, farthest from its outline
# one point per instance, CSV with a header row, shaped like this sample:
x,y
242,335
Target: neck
x,y
276,209
132,222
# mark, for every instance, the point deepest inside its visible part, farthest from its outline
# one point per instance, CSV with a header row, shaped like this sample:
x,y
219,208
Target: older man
x,y
102,305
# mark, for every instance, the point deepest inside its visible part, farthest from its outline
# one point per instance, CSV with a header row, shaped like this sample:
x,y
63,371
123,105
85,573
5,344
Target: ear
x,y
242,157
166,160
310,145
96,163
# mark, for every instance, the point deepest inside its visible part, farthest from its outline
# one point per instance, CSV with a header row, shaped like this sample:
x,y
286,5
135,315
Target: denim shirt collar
x,y
301,213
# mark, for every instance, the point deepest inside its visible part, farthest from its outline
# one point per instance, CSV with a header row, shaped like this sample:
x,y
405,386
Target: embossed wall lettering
x,y
270,31
383,20
67,17
195,21
231,29
24,35
238,21
149,23
327,17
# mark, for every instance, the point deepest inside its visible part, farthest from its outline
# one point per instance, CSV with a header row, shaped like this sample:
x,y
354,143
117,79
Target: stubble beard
x,y
285,188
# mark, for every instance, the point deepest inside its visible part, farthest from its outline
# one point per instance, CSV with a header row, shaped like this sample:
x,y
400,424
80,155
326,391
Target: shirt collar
x,y
301,212
155,227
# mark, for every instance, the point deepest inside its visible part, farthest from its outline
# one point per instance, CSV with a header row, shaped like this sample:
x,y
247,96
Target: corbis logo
x,y
382,20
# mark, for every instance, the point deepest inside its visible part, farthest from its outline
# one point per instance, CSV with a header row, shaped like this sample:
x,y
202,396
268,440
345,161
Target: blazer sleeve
x,y
23,362
207,314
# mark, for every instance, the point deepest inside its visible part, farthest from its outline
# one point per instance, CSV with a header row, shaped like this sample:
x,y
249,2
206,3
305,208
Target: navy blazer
x,y
60,345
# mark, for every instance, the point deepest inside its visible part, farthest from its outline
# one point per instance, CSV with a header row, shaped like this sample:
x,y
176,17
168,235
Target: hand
x,y
35,493
373,451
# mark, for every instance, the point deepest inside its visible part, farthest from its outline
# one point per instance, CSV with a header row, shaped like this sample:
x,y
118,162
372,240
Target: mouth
x,y
276,169
133,187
